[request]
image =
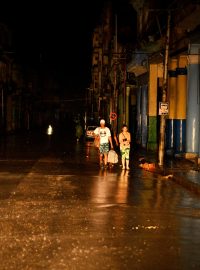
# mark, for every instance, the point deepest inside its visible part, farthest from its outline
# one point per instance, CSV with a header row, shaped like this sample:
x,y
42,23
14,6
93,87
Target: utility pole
x,y
115,94
164,96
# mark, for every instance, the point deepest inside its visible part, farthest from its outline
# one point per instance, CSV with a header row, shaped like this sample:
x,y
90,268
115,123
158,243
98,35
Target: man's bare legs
x,y
103,159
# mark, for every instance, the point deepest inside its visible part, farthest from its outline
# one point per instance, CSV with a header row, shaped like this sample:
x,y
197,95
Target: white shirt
x,y
104,134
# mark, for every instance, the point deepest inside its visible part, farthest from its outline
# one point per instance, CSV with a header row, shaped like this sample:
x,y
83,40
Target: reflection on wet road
x,y
63,212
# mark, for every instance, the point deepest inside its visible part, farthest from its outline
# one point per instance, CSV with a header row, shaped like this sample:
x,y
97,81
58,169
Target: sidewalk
x,y
180,170
185,173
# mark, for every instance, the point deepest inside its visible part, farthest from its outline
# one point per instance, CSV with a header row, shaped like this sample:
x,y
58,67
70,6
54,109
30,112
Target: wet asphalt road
x,y
58,210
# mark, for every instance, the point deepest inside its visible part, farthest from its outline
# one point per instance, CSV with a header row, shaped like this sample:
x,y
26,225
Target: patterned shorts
x,y
125,152
104,148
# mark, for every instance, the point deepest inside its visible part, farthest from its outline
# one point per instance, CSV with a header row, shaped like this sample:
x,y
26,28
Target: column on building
x,y
180,121
133,114
9,114
144,102
120,113
192,126
138,132
127,104
152,107
171,97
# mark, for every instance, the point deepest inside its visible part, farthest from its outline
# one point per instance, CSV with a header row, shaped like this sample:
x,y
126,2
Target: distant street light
x,y
49,130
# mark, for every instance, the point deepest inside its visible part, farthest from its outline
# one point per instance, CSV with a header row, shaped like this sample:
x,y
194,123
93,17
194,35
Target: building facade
x,y
131,82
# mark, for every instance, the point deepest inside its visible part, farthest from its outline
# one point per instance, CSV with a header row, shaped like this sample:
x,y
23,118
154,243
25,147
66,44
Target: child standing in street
x,y
124,141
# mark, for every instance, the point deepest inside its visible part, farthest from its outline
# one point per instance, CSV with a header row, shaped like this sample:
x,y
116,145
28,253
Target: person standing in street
x,y
79,132
105,138
124,141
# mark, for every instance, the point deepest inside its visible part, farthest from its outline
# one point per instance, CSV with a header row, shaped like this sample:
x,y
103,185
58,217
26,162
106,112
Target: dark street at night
x,y
123,74
59,210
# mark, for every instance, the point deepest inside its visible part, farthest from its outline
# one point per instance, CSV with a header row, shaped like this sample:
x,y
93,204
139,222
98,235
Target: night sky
x,y
56,34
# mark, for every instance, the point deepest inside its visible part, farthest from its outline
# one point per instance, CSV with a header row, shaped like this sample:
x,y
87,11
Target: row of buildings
x,y
30,95
158,69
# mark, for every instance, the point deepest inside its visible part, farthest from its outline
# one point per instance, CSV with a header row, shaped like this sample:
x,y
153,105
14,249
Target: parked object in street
x,y
152,167
89,134
148,166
